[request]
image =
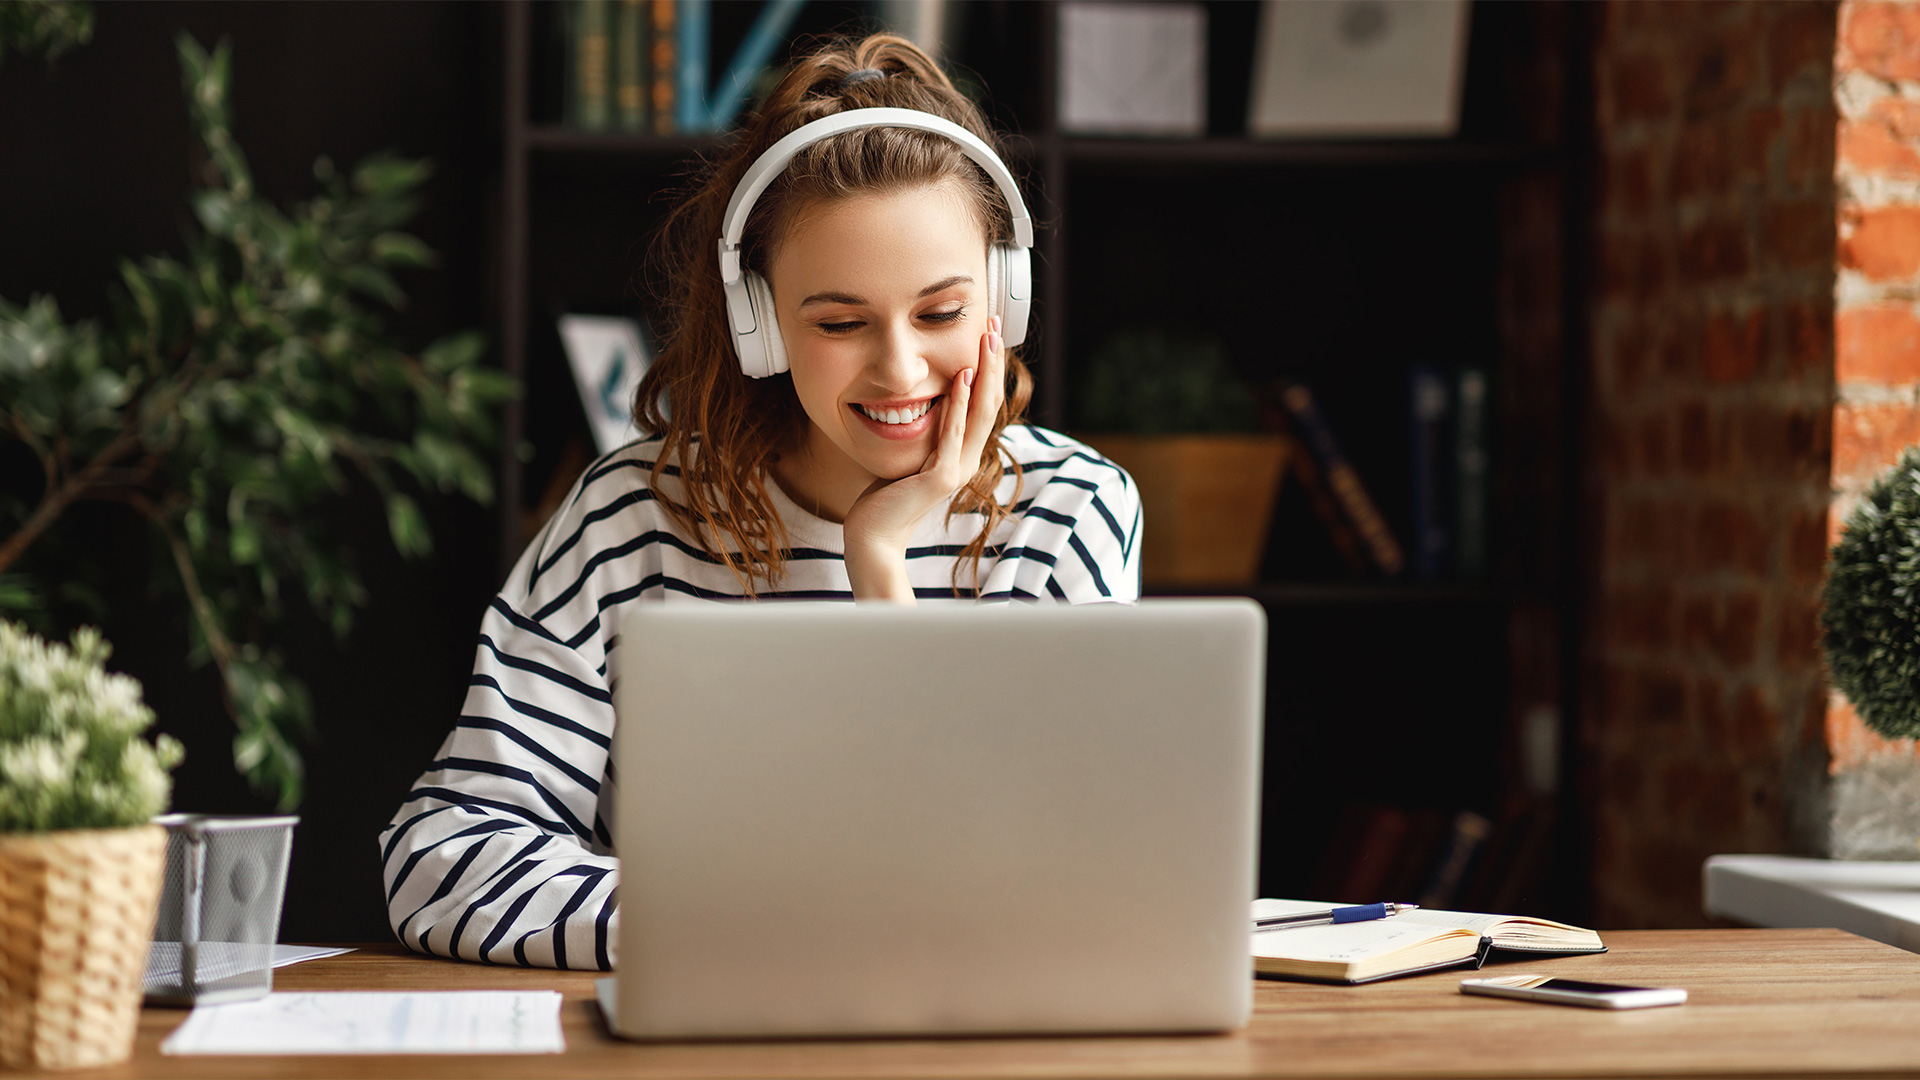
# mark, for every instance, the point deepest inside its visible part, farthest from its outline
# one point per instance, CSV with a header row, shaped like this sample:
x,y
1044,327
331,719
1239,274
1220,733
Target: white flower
x,y
38,763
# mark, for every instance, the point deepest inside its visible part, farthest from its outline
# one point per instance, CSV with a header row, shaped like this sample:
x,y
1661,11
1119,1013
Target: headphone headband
x,y
774,161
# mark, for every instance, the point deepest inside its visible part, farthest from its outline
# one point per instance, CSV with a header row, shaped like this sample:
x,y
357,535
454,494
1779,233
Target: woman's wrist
x,y
878,572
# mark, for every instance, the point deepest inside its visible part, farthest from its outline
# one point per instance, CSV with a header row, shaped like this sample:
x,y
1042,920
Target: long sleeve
x,y
501,852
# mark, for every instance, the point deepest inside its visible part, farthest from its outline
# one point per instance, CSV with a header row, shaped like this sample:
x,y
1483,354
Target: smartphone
x,y
1592,995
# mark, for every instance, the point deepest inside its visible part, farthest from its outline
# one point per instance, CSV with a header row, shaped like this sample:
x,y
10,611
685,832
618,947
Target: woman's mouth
x,y
898,422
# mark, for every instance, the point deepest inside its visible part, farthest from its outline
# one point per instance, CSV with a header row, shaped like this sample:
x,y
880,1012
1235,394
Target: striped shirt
x,y
502,851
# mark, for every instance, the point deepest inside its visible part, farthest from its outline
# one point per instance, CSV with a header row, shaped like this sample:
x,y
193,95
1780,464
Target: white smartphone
x,y
1592,995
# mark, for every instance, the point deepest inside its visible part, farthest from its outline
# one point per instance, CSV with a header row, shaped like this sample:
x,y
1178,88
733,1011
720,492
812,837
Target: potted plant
x,y
233,394
80,864
1170,409
1871,616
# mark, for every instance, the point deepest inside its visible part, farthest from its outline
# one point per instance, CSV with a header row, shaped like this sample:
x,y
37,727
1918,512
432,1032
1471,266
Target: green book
x,y
631,88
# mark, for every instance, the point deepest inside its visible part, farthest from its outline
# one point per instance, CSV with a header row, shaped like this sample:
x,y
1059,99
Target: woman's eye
x,y
837,327
944,316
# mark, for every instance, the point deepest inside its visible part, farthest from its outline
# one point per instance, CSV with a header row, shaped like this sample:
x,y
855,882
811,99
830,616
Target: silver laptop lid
x,y
839,819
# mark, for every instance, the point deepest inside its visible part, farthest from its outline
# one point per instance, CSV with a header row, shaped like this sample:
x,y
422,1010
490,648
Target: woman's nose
x,y
900,365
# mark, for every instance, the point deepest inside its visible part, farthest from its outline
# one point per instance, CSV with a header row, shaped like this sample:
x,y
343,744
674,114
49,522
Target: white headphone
x,y
750,314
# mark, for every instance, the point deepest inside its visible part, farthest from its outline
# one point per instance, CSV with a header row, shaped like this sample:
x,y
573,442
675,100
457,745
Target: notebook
x,y
1424,939
871,820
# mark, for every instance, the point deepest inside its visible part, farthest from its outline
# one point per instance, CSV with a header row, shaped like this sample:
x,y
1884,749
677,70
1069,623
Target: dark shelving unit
x,y
1338,261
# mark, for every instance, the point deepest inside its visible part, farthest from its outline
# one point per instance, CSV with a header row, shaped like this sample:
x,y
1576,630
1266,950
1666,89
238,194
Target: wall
x,y
1876,782
1709,418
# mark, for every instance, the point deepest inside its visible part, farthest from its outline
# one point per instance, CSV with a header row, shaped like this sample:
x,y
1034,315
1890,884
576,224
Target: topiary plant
x,y
1152,381
1872,619
231,397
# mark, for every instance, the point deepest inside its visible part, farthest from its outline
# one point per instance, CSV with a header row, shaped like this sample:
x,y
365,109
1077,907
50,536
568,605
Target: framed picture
x,y
1358,68
608,356
1133,69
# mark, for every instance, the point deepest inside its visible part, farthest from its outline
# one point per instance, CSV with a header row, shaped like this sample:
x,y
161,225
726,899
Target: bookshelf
x,y
1338,261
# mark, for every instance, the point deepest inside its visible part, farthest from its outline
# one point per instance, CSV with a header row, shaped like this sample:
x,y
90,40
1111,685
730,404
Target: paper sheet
x,y
354,1022
219,959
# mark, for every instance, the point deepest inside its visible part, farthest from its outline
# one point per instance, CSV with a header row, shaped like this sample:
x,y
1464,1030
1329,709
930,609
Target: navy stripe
x,y
545,716
531,745
500,605
552,675
626,499
1054,589
459,871
495,768
406,868
516,868
1073,541
468,802
592,876
394,840
602,927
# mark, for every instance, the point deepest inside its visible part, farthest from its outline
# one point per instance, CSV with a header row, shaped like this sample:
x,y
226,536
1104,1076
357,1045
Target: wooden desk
x,y
1764,1002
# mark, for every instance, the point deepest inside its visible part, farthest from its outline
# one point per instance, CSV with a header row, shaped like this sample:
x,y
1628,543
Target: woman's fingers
x,y
984,407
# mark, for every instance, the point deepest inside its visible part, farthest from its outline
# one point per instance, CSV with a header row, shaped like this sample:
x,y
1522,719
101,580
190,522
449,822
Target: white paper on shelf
x,y
219,959
383,1022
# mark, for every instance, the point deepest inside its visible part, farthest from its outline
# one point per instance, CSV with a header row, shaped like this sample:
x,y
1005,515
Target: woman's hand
x,y
881,521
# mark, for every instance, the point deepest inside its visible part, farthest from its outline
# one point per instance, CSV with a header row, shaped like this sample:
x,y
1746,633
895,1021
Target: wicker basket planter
x,y
76,916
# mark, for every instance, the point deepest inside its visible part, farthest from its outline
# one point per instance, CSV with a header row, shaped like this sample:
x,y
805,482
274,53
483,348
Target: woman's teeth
x,y
898,416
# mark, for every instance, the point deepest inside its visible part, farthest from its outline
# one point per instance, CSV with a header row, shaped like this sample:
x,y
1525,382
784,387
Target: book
x,y
1470,473
690,86
661,36
766,34
1404,944
630,66
1430,408
591,65
1311,431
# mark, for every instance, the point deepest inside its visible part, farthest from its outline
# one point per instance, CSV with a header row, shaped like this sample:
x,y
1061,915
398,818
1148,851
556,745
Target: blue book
x,y
1430,401
1471,421
690,95
769,30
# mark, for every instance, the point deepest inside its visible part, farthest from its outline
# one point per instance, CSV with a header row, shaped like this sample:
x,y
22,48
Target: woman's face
x,y
882,301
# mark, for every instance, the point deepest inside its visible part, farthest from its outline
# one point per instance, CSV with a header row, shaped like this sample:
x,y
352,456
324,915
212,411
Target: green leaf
x,y
385,177
408,526
400,249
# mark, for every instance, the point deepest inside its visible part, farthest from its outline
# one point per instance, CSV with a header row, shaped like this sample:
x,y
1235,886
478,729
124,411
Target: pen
x,y
1354,913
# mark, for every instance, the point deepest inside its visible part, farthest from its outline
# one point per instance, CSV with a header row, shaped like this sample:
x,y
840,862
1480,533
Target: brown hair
x,y
695,390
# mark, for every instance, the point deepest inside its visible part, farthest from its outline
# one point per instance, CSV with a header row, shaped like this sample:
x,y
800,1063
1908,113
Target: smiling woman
x,y
835,413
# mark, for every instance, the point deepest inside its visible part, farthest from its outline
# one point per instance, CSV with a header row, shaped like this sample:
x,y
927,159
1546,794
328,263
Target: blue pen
x,y
1353,913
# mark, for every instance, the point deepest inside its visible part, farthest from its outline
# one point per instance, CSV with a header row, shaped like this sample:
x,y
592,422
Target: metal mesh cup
x,y
219,908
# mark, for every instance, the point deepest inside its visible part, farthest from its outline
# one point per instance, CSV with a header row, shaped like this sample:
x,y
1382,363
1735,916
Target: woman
x,y
834,414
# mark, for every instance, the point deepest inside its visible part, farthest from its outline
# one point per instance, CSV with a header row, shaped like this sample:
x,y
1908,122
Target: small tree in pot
x,y
1871,619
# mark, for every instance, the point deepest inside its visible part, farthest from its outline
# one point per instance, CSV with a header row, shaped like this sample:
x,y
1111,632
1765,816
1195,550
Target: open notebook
x,y
1412,941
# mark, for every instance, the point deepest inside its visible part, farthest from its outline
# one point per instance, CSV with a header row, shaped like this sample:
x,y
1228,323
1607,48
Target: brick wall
x,y
1875,792
1709,418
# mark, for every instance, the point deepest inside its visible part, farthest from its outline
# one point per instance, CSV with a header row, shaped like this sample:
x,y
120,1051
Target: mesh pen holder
x,y
219,908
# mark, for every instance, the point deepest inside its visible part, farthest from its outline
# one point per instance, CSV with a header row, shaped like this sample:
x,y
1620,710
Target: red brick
x,y
1882,243
1852,744
1877,343
1731,351
1800,42
1809,138
1807,548
1880,37
1797,234
1759,129
1807,327
1716,249
1695,447
1655,446
1798,639
1702,162
1724,66
1629,189
1870,148
1739,633
1757,724
1869,438
1635,87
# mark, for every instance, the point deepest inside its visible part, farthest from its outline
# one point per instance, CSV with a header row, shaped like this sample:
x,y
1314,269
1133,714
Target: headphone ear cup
x,y
996,275
1014,266
773,350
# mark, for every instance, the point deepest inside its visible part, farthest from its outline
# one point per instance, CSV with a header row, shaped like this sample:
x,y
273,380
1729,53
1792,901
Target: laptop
x,y
868,820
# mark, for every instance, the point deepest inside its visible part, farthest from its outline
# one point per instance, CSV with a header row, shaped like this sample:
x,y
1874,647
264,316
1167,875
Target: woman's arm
x,y
501,852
